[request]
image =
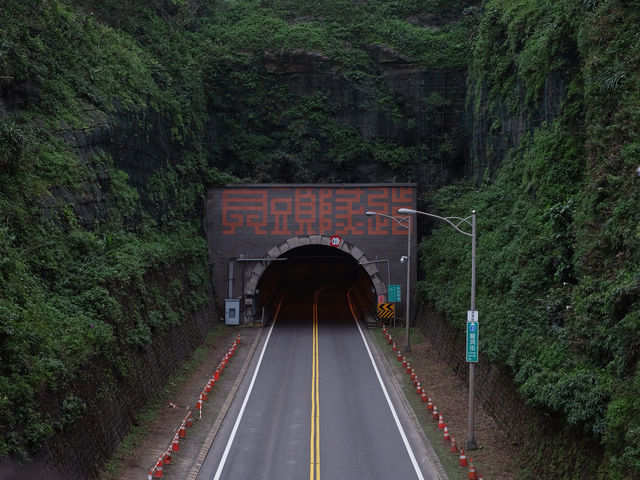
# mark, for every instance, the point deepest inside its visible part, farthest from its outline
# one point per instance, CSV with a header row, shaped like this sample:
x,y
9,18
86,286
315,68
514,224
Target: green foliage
x,y
558,263
95,65
71,294
558,223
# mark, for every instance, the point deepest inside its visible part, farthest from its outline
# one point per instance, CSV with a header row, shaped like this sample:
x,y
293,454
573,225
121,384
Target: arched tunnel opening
x,y
301,271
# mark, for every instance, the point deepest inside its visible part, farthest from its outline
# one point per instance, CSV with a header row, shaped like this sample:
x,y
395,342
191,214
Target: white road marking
x,y
416,467
227,449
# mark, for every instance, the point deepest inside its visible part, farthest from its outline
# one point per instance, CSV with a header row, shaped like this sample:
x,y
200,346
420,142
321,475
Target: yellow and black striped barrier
x,y
386,311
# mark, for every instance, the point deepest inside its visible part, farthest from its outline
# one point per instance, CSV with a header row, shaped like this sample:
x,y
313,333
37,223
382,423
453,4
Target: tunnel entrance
x,y
314,267
250,228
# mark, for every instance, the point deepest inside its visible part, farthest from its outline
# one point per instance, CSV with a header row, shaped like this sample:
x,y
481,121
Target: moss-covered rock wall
x,y
553,90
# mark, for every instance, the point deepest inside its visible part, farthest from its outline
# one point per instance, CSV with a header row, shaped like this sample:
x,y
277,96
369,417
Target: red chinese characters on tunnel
x,y
289,211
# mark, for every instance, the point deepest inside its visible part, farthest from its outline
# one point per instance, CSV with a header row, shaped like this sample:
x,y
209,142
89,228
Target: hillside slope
x,y
115,117
554,89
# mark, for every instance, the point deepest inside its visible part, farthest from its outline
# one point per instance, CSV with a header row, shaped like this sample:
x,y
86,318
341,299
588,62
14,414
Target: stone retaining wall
x,y
494,388
115,398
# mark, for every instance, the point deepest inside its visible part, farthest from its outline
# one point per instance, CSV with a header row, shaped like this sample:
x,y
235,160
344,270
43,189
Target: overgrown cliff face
x,y
113,119
399,121
115,116
553,92
98,258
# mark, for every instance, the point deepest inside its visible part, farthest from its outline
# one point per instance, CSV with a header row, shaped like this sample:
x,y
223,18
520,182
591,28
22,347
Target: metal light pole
x,y
404,222
455,222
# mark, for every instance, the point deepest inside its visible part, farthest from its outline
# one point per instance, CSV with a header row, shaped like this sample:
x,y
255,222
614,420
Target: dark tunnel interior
x,y
314,267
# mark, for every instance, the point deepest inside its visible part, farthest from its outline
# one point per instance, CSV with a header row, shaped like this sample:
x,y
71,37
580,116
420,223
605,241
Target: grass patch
x,y
157,404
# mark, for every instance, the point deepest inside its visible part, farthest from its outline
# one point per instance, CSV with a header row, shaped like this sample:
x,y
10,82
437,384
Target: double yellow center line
x,y
314,466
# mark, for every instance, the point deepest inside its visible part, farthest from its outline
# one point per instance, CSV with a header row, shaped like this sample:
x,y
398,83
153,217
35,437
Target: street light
x,y
456,222
404,222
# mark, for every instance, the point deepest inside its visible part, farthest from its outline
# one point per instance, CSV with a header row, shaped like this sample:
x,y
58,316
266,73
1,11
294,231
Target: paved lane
x,y
355,436
358,435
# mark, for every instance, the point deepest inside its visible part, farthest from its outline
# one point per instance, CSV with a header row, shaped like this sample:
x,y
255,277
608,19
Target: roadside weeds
x,y
495,457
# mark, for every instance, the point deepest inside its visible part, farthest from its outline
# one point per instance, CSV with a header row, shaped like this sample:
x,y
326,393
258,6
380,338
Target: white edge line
x,y
227,449
391,407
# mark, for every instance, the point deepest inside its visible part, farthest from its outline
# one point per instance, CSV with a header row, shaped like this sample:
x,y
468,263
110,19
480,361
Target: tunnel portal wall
x,y
250,225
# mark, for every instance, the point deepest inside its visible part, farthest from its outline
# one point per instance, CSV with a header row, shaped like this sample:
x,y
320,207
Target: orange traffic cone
x,y
393,347
204,395
413,376
440,422
424,396
429,404
463,458
409,368
167,457
390,340
400,356
454,447
404,362
189,420
158,471
182,431
175,446
446,436
434,415
472,470
199,404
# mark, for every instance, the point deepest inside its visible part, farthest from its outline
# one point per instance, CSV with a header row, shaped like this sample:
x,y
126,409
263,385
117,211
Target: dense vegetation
x,y
101,247
559,226
553,93
66,285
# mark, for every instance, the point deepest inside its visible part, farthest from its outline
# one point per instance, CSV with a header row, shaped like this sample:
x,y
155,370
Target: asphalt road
x,y
312,406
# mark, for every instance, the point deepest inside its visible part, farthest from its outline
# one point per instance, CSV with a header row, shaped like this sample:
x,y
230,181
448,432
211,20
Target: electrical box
x,y
232,311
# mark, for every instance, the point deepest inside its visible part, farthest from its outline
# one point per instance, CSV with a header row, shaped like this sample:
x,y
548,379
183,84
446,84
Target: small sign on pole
x,y
472,336
394,293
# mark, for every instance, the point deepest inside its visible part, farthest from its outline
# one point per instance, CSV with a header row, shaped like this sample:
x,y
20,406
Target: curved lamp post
x,y
404,222
456,222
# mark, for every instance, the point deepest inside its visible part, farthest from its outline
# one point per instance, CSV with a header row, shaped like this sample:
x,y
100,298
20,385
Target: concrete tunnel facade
x,y
251,227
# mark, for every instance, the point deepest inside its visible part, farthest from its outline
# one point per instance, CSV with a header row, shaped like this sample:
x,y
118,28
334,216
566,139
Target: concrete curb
x,y
383,361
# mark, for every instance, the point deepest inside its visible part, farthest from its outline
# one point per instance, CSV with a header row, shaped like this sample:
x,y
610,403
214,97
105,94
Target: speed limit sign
x,y
335,240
